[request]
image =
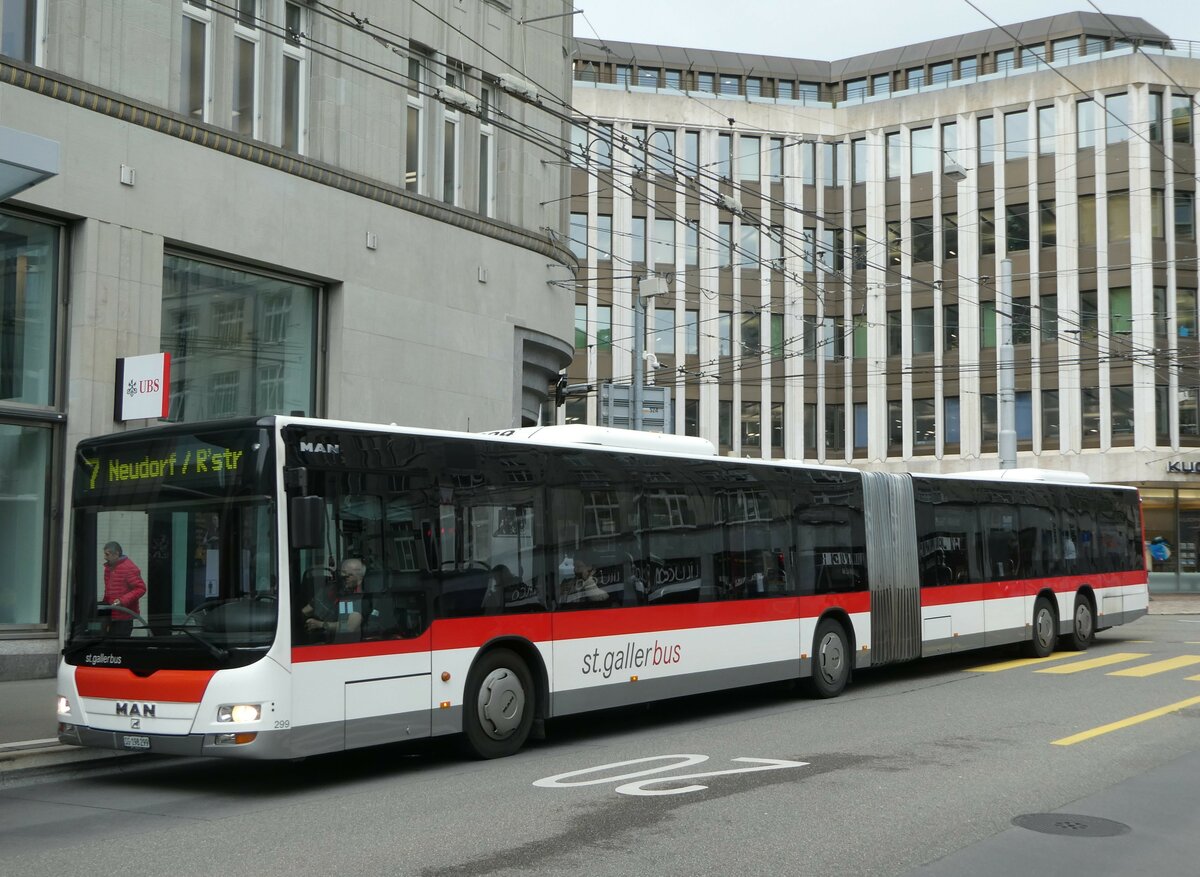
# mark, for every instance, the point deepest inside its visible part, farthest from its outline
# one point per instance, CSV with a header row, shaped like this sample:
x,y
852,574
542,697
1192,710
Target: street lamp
x,y
648,287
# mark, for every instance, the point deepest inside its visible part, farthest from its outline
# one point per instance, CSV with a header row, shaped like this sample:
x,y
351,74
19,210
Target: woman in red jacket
x,y
123,586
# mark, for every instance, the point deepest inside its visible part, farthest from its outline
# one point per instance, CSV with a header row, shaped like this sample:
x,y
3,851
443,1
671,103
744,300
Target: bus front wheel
x,y
830,660
498,705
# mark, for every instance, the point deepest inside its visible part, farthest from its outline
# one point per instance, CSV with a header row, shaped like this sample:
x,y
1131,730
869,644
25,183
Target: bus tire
x,y
498,706
1044,635
830,660
1083,626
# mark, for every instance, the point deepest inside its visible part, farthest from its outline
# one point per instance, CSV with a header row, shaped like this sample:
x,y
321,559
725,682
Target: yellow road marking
x,y
1020,662
1193,679
1158,666
1093,663
1125,723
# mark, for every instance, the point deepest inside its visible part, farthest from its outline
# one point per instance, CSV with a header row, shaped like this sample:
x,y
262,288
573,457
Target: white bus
x,y
313,586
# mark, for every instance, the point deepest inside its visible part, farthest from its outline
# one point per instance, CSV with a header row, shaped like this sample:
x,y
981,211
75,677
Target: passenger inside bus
x,y
582,587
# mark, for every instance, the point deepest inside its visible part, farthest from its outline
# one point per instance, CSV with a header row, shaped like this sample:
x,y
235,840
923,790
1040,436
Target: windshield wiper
x,y
215,650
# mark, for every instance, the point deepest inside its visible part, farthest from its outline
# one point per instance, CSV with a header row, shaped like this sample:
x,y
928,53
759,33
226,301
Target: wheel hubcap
x,y
1045,627
1083,622
501,703
831,658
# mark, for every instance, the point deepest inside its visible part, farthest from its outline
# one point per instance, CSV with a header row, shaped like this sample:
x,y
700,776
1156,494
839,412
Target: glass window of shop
x,y
1172,519
30,277
241,343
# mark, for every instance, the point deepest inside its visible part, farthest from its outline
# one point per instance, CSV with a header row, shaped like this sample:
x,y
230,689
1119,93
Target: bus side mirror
x,y
307,520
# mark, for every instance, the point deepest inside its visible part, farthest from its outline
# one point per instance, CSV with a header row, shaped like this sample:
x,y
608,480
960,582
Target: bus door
x,y
892,567
360,616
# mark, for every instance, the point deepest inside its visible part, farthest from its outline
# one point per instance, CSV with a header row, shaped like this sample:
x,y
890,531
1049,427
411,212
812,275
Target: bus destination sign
x,y
185,461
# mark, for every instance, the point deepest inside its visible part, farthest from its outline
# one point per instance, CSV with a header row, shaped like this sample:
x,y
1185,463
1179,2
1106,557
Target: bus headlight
x,y
239,712
64,707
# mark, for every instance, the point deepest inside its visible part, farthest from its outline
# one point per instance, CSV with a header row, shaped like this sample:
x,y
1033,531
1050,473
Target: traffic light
x,y
560,391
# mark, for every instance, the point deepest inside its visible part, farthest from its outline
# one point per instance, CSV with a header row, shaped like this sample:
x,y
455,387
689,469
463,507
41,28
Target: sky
x,y
816,30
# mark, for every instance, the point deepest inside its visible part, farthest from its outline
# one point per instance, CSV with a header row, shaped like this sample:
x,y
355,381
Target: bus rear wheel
x,y
498,705
1083,626
1045,630
830,660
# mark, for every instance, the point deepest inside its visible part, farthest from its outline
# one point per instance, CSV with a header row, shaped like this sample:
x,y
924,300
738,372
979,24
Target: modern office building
x,y
832,237
345,213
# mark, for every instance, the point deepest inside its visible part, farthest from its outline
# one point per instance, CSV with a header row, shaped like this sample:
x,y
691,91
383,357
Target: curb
x,y
33,758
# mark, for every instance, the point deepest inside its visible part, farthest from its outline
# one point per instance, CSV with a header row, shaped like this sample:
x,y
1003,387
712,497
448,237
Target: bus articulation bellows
x,y
314,586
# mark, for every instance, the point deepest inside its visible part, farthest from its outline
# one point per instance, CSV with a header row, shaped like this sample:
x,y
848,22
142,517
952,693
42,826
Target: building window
x,y
922,330
673,79
987,231
705,82
895,242
194,67
581,332
881,83
950,157
637,239
967,68
922,239
951,425
1005,60
725,334
19,36
942,72
894,156
949,328
861,424
924,426
895,428
915,77
777,425
775,160
1118,216
664,241
29,281
450,153
257,325
1047,126
1048,318
1016,227
835,428
579,236
1047,223
809,92
949,236
662,152
924,152
1085,124
622,75
785,90
753,86
487,159
1116,112
648,77
295,63
415,131
25,526
751,425
664,330
1065,49
725,156
691,333
604,328
1181,118
691,417
856,89
1016,135
1185,215
730,84
989,426
725,423
1087,220
604,237
895,333
1049,417
1156,113
748,246
748,161
860,159
245,69
987,140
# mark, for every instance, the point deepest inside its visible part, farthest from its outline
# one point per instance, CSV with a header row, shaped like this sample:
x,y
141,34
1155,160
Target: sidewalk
x,y
29,728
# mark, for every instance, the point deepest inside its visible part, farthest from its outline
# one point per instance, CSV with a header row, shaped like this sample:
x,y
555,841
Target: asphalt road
x,y
916,769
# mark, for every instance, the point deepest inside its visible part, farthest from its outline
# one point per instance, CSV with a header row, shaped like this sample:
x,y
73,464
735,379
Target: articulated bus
x,y
314,586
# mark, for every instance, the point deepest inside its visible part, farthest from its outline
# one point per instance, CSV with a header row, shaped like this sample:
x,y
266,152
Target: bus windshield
x,y
174,553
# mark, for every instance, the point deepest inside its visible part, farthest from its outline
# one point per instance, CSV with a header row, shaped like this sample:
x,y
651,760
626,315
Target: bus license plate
x,y
130,741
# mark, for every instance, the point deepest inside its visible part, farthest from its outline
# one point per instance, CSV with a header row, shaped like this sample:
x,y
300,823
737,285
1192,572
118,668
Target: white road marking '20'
x,y
676,762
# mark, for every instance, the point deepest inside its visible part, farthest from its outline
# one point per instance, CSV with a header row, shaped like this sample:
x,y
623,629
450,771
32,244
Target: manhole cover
x,y
1071,824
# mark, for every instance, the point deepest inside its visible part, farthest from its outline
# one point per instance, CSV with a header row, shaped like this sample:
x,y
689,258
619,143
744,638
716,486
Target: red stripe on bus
x,y
368,649
115,683
947,594
463,633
